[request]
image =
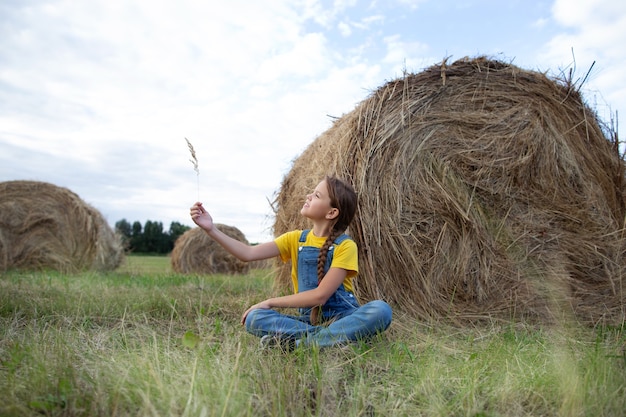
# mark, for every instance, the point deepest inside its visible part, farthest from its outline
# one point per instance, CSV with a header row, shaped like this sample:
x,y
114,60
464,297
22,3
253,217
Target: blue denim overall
x,y
352,322
342,302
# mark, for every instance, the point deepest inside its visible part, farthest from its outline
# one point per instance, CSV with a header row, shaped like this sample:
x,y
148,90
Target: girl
x,y
324,262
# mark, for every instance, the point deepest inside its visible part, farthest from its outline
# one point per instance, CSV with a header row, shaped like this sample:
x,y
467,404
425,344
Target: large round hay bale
x,y
43,226
485,191
195,252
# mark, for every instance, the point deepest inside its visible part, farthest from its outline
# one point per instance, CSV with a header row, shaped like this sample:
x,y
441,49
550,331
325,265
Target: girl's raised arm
x,y
240,250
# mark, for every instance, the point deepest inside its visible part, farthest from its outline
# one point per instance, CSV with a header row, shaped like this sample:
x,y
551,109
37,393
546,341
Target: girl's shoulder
x,y
342,238
291,233
346,242
289,238
299,237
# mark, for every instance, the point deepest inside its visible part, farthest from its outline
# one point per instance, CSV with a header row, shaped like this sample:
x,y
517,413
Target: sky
x,y
98,96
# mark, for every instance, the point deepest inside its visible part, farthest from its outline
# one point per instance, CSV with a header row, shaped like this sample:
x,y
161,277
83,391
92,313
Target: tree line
x,y
149,238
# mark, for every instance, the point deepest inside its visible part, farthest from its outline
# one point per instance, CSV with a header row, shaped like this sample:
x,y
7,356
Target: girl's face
x,y
317,205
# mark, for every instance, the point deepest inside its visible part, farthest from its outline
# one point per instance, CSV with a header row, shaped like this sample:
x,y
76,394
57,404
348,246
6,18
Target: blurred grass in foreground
x,y
144,341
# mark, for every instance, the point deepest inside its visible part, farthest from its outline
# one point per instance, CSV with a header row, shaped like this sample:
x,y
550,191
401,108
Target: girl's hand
x,y
263,304
201,217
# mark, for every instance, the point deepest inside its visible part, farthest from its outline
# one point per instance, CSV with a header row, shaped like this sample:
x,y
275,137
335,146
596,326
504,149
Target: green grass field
x,y
143,341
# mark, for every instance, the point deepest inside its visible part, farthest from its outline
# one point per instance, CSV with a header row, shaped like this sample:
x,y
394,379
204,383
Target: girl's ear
x,y
332,213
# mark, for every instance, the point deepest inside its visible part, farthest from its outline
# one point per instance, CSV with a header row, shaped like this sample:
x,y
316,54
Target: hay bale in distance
x,y
485,191
43,226
195,252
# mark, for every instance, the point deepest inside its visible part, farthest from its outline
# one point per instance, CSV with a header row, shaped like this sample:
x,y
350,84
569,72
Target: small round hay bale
x,y
485,191
195,252
43,226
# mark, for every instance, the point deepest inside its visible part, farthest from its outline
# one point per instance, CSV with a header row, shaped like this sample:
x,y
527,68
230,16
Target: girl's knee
x,y
381,310
253,319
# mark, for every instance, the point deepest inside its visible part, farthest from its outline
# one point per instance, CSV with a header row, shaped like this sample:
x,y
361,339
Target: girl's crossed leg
x,y
366,321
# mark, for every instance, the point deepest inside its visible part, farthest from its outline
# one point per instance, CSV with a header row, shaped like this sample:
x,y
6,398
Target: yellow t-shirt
x,y
345,255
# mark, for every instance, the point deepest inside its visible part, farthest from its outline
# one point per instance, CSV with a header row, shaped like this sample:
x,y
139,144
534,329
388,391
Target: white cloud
x,y
591,43
100,94
410,56
305,59
114,87
540,23
413,4
577,13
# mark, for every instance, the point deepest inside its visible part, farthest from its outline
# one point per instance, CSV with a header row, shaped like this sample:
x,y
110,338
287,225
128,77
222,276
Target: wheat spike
x,y
194,161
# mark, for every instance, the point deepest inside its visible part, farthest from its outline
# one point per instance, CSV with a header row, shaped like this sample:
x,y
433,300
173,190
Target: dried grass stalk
x,y
493,195
43,226
194,161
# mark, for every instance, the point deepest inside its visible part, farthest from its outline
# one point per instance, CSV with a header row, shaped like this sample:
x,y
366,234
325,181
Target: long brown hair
x,y
343,198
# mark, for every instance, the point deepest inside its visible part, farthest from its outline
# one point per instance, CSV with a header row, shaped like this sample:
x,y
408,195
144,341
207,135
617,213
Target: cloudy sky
x,y
99,95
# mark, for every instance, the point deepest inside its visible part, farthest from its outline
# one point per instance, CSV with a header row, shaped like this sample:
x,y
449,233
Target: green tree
x,y
176,230
149,238
124,229
137,243
154,239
